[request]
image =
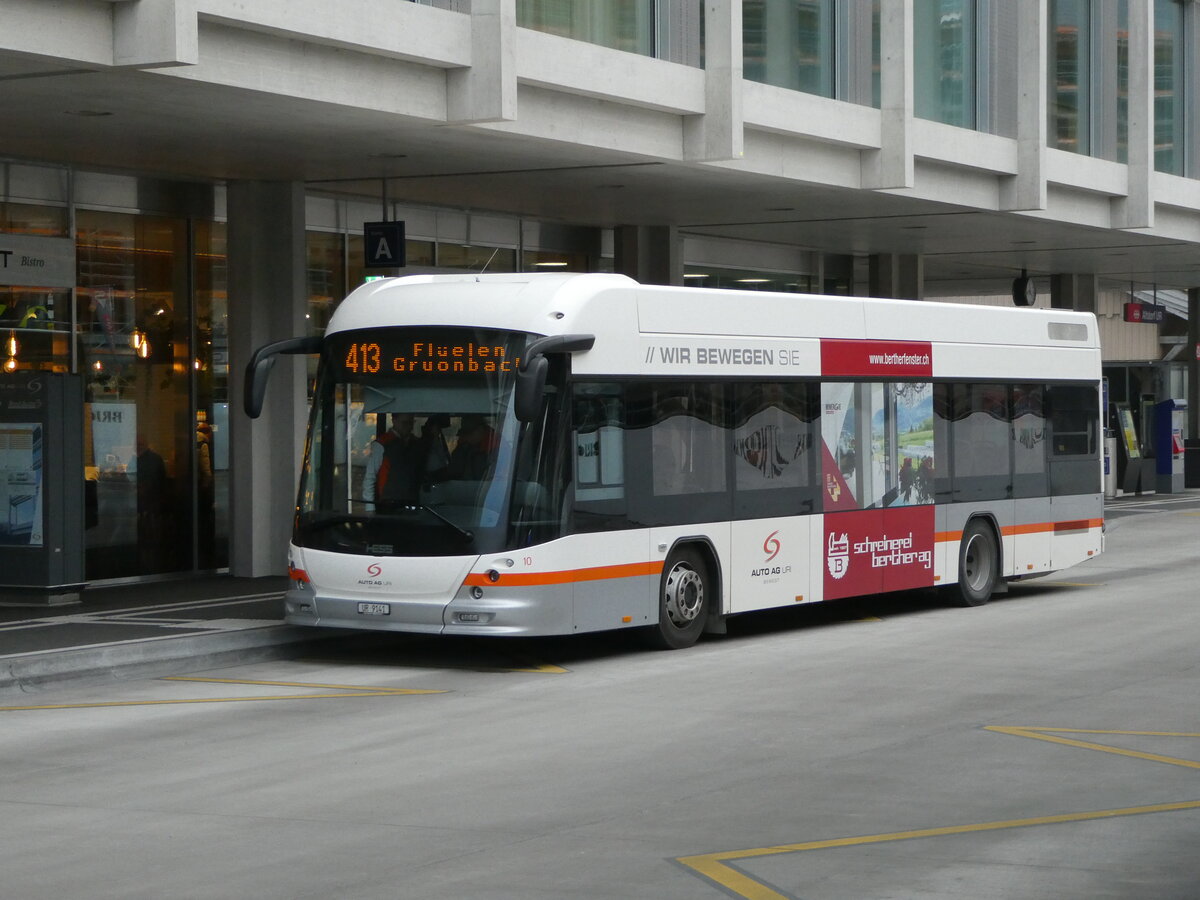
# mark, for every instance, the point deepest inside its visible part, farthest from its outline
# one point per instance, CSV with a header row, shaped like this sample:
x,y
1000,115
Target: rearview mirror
x,y
258,370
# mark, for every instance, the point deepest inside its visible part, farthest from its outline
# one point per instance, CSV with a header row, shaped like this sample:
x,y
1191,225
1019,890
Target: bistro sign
x,y
31,261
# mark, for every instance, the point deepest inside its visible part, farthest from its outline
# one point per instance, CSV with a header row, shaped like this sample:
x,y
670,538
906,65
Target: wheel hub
x,y
683,595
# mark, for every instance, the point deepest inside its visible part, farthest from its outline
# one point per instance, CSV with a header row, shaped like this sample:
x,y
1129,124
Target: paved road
x,y
1045,745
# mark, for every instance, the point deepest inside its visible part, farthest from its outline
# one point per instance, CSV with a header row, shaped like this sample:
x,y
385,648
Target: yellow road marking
x,y
347,691
714,867
1041,734
534,667
301,684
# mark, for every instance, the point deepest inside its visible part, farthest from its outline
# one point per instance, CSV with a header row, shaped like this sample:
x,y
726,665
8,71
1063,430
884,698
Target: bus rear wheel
x,y
683,598
978,564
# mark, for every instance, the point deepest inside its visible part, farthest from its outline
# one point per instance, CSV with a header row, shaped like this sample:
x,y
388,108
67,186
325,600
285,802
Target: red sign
x,y
1145,313
887,359
872,550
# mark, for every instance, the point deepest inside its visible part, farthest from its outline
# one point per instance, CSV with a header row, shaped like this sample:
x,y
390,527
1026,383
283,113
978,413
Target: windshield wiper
x,y
466,534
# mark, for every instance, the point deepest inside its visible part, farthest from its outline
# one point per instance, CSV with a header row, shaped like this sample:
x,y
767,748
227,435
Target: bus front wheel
x,y
978,564
683,598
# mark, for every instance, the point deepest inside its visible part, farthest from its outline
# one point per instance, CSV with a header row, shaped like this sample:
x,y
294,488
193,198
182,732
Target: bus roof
x,y
652,329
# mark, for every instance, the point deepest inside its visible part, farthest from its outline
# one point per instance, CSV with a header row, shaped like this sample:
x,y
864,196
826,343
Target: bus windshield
x,y
412,442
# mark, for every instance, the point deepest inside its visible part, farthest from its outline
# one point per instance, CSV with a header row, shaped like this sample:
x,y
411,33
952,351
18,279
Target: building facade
x,y
195,175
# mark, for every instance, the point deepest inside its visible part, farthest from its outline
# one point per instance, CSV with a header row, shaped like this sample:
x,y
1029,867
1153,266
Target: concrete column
x,y
267,301
1028,189
835,274
486,91
892,165
650,254
1136,208
153,33
1074,292
718,134
899,275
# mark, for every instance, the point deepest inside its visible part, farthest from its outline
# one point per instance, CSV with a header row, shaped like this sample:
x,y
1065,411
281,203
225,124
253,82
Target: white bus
x,y
589,453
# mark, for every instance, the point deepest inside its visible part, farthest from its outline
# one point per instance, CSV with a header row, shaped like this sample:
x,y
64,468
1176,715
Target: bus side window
x,y
980,441
688,443
598,445
1029,432
774,442
1074,439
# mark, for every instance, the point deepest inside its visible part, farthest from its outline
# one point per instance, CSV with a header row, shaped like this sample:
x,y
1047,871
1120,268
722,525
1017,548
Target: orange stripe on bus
x,y
942,537
1078,525
569,576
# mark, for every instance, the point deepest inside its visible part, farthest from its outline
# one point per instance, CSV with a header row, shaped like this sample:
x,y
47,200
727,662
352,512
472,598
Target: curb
x,y
156,657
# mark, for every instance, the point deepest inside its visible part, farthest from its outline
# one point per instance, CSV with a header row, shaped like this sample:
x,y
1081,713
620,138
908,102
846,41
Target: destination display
x,y
451,353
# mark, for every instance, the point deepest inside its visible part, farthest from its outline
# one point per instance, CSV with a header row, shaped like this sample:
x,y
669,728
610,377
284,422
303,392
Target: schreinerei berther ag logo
x,y
838,554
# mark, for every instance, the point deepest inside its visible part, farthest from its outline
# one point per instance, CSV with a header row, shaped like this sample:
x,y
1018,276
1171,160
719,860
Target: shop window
x,y
475,258
135,350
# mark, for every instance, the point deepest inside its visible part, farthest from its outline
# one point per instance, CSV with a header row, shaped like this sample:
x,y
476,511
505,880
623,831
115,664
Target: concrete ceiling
x,y
154,123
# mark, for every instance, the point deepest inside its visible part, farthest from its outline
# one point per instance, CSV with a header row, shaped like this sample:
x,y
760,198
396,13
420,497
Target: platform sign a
x,y
383,245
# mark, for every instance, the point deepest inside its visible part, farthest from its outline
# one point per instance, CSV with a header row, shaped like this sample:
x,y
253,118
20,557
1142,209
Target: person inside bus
x,y
433,448
394,467
473,453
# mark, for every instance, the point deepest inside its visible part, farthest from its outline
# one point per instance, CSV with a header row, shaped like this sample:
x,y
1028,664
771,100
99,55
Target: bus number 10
x,y
363,358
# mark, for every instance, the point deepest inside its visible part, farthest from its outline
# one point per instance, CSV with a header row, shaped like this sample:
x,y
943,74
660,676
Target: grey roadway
x,y
1045,745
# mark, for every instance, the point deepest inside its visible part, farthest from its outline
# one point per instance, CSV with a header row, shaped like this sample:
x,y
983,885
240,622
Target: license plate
x,y
374,609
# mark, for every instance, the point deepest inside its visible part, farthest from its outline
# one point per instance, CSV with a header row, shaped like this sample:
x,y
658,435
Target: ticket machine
x,y
1170,419
41,488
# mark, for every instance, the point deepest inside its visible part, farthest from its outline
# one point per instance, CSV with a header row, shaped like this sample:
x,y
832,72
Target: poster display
x,y
21,484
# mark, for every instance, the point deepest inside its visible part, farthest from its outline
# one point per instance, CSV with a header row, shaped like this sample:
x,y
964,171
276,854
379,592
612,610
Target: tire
x,y
978,564
683,601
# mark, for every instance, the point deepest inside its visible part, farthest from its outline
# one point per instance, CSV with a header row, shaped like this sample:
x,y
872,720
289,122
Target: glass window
x,y
910,444
212,395
1074,413
687,441
1029,441
944,61
415,463
326,273
980,441
789,43
1169,94
30,218
554,261
696,275
598,452
879,442
620,24
1070,66
475,258
775,450
1122,119
135,348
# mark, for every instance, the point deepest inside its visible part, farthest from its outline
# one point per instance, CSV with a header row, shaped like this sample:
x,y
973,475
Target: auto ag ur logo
x,y
374,570
771,546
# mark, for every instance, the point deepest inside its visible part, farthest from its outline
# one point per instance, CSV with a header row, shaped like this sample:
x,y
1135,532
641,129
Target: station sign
x,y
1145,313
383,245
33,261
